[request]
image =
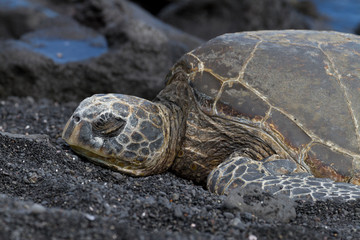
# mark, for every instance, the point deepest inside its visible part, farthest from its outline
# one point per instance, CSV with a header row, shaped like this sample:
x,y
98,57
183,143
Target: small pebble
x,y
177,212
37,208
175,196
237,223
248,216
252,237
89,217
229,215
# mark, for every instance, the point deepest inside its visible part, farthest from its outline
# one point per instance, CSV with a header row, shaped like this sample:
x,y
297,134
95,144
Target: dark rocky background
x,y
54,53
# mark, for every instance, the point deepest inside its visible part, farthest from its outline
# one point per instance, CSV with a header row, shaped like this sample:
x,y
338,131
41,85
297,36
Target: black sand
x,y
49,193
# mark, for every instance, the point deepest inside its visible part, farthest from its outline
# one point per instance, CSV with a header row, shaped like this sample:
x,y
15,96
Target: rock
x,y
229,215
153,7
272,208
37,208
19,17
177,212
236,222
307,8
130,52
209,18
357,29
175,196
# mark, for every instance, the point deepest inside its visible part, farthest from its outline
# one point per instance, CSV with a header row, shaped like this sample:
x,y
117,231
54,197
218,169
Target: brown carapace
x,y
241,105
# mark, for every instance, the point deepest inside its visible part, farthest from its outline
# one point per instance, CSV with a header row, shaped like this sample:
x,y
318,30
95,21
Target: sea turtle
x,y
277,109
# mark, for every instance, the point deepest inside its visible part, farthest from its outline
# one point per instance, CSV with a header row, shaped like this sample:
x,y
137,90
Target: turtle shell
x,y
300,87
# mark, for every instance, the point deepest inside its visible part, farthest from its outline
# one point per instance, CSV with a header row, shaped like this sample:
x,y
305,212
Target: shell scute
x,y
206,87
206,83
345,60
333,164
287,130
299,37
356,172
225,55
301,81
238,101
188,63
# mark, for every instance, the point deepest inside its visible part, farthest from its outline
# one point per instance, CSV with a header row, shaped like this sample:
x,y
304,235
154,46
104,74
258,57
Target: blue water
x,y
59,50
26,4
64,51
344,14
15,3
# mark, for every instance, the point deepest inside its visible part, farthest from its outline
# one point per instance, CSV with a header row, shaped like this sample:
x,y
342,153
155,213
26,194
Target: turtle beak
x,y
68,131
77,132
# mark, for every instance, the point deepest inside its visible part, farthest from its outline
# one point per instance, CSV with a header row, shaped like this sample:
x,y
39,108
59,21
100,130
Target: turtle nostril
x,y
76,118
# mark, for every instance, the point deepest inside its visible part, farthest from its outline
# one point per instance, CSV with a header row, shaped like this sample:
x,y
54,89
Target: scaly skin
x,y
126,133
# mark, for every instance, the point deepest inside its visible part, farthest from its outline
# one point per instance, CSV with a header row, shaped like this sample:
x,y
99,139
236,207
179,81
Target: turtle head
x,y
126,133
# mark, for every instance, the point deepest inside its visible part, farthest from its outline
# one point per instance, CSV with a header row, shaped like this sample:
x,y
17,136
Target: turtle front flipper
x,y
276,176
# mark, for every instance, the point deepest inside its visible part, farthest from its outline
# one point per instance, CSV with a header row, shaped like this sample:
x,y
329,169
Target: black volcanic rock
x,y
58,58
209,18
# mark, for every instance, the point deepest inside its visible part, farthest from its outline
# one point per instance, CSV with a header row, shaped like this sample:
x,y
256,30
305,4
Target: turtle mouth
x,y
110,162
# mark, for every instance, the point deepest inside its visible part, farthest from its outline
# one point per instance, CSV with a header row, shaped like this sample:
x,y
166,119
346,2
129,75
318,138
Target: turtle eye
x,y
108,125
